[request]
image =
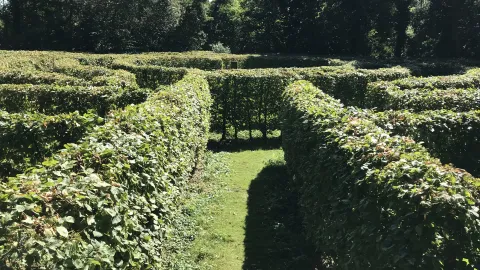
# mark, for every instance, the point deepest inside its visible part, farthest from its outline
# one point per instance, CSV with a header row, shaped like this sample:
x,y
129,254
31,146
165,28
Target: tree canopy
x,y
379,28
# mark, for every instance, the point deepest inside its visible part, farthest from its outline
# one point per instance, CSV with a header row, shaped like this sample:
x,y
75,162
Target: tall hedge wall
x,y
471,79
107,202
432,93
371,200
251,99
18,76
423,99
213,61
59,69
453,137
51,99
26,139
153,76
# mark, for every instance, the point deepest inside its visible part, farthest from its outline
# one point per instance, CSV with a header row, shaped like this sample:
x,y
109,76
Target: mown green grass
x,y
248,220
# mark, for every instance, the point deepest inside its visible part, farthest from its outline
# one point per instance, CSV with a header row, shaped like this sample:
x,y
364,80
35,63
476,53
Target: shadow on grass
x,y
274,238
244,144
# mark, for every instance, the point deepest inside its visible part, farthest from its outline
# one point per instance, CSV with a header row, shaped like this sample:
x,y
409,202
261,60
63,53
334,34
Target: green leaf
x,y
97,234
49,163
116,219
78,264
20,208
94,262
28,220
90,220
69,219
111,212
62,231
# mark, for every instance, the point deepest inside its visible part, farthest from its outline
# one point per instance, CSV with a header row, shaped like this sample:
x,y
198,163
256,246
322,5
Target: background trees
x,y
380,28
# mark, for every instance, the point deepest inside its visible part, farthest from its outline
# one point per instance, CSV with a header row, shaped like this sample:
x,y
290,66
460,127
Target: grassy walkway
x,y
249,222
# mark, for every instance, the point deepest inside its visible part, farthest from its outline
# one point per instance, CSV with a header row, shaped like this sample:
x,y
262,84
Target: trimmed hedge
x,y
96,76
373,201
38,77
470,79
432,93
108,201
251,99
60,69
453,137
152,76
212,61
51,99
70,77
26,139
422,99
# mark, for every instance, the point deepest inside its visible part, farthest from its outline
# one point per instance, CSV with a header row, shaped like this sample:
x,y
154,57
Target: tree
x,y
190,34
223,24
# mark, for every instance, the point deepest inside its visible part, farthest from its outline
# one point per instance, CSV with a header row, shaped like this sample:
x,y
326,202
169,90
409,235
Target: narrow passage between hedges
x,y
251,223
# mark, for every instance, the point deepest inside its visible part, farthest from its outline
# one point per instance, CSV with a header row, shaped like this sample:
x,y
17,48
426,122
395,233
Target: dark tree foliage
x,y
91,25
379,28
224,23
190,35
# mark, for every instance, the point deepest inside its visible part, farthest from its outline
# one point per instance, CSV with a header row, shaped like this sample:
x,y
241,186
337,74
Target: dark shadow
x,y
232,145
274,238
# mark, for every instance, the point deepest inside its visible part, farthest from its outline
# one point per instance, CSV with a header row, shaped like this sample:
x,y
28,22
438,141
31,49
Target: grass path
x,y
246,224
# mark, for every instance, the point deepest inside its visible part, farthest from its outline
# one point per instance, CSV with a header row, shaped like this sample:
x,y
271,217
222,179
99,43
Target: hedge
x,y
51,99
108,201
72,77
470,79
26,139
251,99
96,76
38,77
453,137
152,76
373,201
60,69
212,61
422,99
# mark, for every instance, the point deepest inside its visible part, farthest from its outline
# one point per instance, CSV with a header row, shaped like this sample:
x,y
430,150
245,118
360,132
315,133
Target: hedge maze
x,y
97,152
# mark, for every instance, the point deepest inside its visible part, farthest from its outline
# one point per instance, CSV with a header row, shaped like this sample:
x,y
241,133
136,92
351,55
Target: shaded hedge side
x,y
107,201
371,200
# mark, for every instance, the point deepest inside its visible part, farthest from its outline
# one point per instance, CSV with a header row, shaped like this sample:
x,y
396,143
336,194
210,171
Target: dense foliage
x,y
379,28
251,99
453,137
371,200
27,139
456,92
99,25
97,151
51,99
107,201
424,99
